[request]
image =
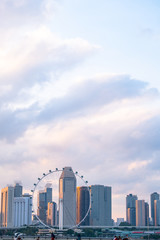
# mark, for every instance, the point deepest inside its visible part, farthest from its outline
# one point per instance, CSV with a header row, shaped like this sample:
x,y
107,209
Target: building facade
x,y
22,210
131,209
7,198
83,203
157,212
154,196
101,205
52,214
140,213
67,198
18,190
44,197
146,214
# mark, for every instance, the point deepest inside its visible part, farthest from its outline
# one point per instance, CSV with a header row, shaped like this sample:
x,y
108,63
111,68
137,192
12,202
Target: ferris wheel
x,y
65,214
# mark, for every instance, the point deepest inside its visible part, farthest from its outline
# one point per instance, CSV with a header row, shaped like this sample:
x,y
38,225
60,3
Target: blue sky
x,y
79,86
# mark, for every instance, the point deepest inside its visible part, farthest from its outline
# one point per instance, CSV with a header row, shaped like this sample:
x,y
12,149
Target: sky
x,y
79,86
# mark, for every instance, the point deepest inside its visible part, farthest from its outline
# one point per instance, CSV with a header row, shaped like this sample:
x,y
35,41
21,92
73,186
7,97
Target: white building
x,y
7,196
67,198
22,210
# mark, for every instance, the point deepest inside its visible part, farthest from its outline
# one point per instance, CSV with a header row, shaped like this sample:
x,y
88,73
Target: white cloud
x,y
137,164
49,7
40,50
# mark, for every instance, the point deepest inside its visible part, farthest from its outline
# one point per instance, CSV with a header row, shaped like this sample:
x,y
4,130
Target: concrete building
x,y
7,197
52,214
140,213
44,197
154,196
131,209
22,210
146,214
67,198
83,202
157,212
18,190
101,205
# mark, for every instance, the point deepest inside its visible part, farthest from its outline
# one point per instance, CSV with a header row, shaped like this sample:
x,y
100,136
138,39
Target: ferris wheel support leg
x,y
60,214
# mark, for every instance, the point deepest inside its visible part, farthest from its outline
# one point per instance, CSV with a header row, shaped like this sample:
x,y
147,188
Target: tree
x,y
125,224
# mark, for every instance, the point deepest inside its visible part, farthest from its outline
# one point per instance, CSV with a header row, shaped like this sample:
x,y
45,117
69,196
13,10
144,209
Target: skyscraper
x,y
44,197
131,209
41,206
18,190
146,214
140,213
101,205
52,214
7,197
154,196
83,201
67,198
157,212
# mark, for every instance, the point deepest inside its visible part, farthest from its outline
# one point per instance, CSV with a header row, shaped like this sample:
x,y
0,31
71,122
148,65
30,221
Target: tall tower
x,y
83,200
154,196
7,197
44,197
67,198
101,205
108,205
52,214
131,209
140,213
157,212
18,190
146,214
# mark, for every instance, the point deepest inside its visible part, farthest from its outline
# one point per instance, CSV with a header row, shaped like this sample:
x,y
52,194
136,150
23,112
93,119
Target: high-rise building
x,y
131,209
41,206
52,214
157,212
140,213
18,190
7,197
101,205
83,202
146,214
154,196
44,197
67,198
22,210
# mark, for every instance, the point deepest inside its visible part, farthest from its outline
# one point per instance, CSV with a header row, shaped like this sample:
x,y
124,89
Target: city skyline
x,y
79,86
17,206
99,205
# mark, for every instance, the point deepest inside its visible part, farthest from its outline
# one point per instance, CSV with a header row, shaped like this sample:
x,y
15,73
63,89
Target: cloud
x,y
21,13
92,94
81,100
33,55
